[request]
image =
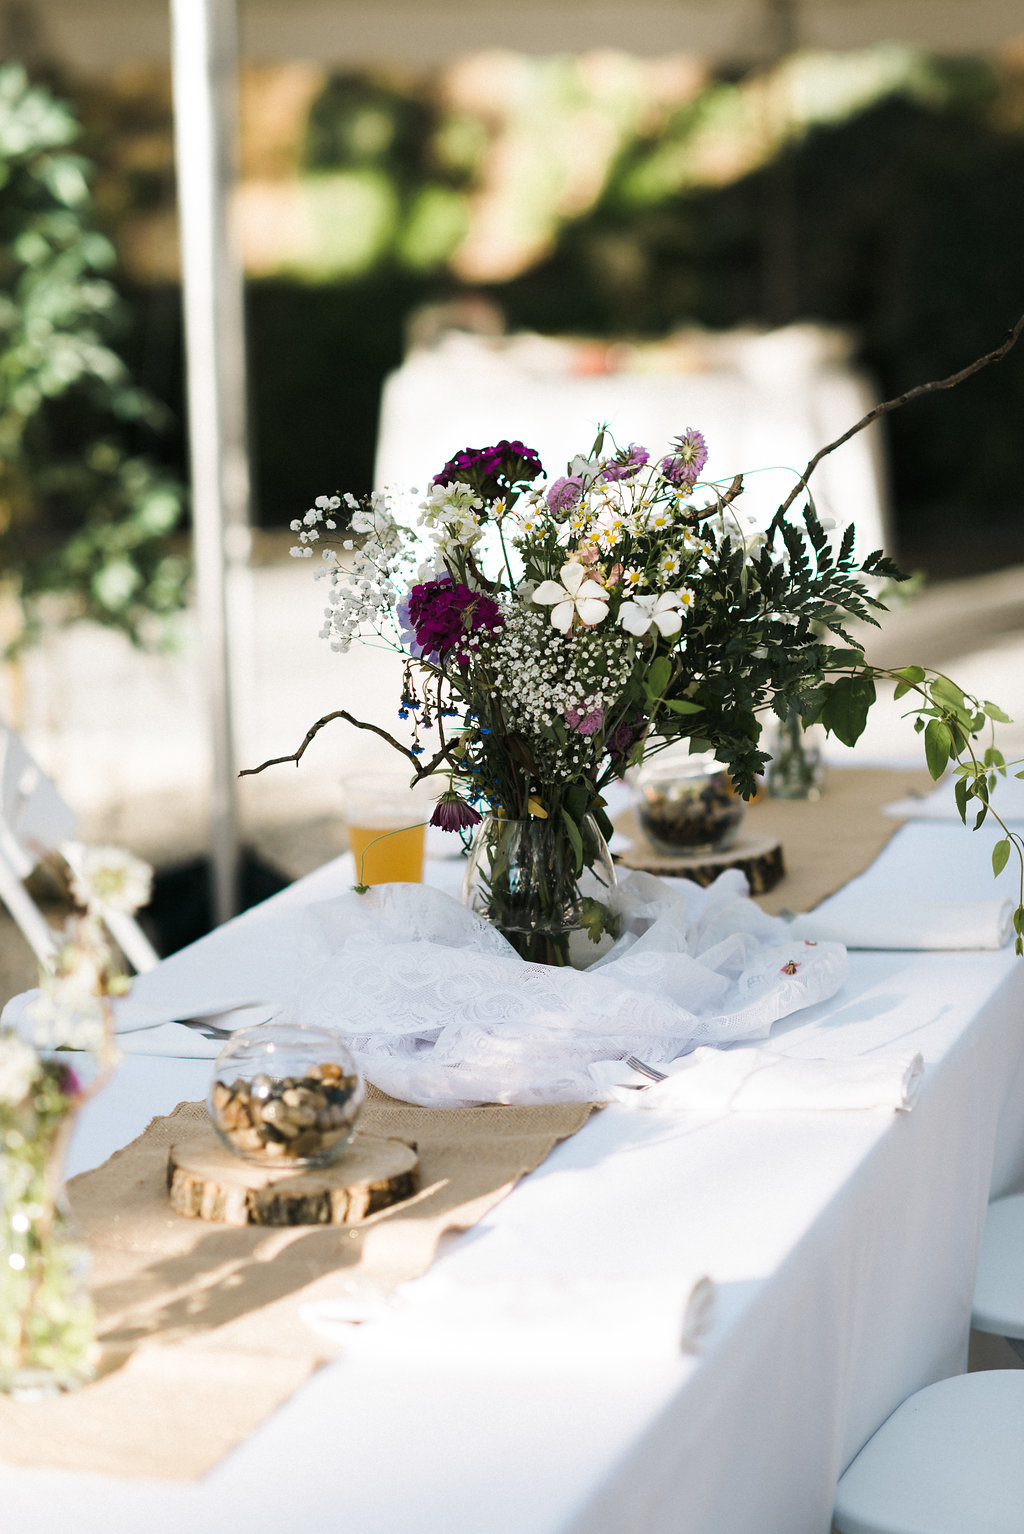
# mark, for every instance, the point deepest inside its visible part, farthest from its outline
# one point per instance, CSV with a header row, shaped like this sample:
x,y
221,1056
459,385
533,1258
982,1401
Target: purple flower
x,y
564,494
676,472
492,471
71,1083
622,739
693,450
441,616
406,630
584,719
452,813
626,463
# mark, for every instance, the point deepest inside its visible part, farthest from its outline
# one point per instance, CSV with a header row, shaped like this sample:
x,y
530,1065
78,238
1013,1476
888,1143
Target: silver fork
x,y
645,1070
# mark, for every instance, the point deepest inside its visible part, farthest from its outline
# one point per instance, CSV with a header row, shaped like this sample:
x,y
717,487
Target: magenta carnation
x,y
443,616
492,471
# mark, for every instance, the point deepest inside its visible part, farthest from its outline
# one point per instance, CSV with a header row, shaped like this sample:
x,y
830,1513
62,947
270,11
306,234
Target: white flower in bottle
x,y
573,595
658,608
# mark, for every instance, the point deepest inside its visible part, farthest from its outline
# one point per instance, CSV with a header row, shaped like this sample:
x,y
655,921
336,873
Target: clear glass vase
x,y
530,881
797,766
47,1321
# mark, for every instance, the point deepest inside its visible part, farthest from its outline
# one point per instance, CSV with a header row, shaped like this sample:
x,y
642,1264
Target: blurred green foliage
x,y
904,222
83,513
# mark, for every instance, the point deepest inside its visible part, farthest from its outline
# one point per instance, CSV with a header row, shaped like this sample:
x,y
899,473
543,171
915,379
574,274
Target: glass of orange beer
x,y
387,823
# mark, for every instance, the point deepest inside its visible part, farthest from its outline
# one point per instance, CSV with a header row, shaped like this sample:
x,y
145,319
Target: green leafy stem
x,y
952,723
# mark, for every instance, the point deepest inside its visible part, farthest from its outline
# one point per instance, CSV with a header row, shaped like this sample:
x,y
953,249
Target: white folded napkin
x,y
745,1080
531,1322
865,915
1008,797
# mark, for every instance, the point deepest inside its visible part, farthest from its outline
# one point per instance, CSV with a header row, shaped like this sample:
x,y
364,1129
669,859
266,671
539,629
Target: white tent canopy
x,y
100,34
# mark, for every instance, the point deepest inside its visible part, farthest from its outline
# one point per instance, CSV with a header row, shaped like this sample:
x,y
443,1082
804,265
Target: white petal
x,y
667,601
668,623
636,623
562,616
572,576
591,610
549,591
591,591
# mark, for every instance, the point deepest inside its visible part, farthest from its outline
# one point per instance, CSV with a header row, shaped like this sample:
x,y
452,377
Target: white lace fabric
x,y
440,1010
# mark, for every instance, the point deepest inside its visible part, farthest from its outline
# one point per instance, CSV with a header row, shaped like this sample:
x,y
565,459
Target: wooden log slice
x,y
206,1182
759,857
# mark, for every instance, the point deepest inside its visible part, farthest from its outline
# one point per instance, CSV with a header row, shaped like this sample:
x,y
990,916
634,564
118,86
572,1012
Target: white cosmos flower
x,y
576,596
18,1066
658,608
105,878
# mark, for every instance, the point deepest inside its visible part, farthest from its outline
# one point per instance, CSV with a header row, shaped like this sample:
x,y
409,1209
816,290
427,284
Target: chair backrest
x,y
35,820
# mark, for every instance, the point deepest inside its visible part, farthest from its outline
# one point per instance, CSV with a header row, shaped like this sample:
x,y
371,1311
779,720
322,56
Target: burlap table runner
x,y
825,843
200,1323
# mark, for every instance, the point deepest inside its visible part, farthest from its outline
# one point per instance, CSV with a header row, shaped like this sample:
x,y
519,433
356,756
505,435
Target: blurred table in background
x,y
765,401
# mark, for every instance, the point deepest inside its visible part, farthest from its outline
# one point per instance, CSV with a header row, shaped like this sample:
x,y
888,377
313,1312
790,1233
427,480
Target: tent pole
x,y
205,54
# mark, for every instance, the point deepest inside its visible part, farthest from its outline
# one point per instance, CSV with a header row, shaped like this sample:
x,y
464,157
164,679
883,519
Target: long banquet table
x,y
842,1246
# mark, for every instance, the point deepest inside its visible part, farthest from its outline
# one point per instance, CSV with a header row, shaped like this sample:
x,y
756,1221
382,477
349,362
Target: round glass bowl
x,y
686,805
285,1095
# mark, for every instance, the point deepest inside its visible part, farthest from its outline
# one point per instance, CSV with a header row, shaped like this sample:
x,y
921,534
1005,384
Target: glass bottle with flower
x,y
47,1324
561,630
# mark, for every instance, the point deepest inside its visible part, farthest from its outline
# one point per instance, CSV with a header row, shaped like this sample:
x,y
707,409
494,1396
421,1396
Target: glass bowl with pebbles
x,y
284,1094
686,805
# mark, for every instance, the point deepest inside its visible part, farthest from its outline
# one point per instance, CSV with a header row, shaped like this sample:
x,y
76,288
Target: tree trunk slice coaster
x,y
206,1182
759,857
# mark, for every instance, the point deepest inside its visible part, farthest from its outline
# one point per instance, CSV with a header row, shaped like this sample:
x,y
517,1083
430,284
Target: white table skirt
x,y
842,1245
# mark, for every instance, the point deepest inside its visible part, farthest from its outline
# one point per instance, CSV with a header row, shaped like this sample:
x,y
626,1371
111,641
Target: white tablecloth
x,y
842,1245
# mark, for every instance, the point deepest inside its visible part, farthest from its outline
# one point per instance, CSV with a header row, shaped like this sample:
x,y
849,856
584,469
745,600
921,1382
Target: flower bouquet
x,y
558,630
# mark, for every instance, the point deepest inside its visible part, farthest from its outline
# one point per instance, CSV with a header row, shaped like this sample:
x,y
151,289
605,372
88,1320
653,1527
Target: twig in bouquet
x,y
894,404
422,769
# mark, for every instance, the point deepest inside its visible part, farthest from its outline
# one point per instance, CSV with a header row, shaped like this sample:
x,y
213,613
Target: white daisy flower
x,y
632,577
658,520
574,595
670,565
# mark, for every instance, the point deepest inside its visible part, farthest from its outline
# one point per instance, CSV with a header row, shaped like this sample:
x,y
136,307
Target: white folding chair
x,y
35,820
999,1285
946,1462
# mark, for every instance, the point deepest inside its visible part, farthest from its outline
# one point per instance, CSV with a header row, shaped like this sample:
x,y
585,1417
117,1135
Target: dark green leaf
x,y
962,792
947,692
575,838
846,706
658,676
937,745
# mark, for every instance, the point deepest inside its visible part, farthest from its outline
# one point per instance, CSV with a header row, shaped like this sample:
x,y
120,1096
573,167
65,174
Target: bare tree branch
x,y
422,770
894,404
314,730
